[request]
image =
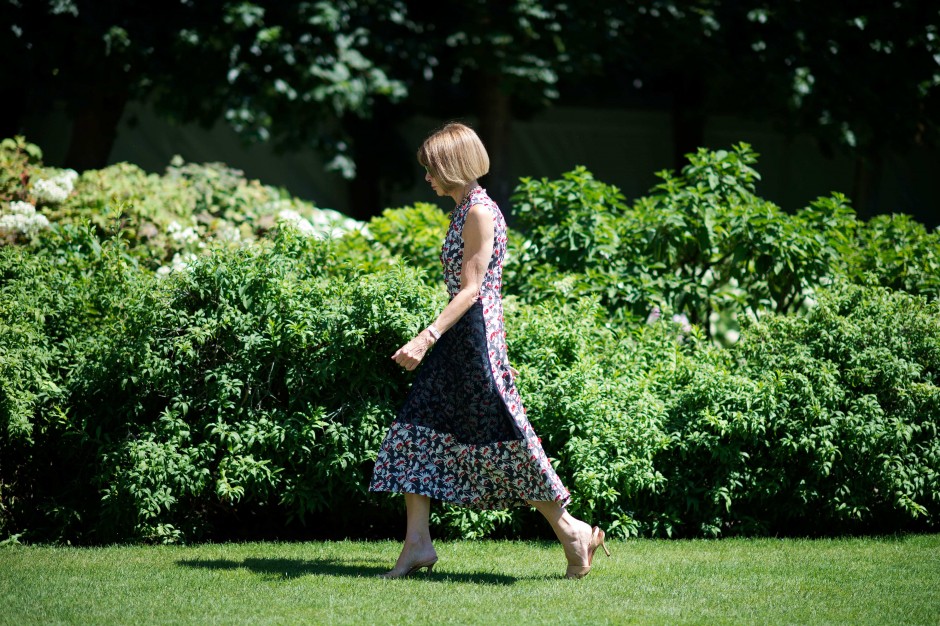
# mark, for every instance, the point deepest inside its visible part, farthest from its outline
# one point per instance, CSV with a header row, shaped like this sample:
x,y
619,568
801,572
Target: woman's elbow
x,y
472,293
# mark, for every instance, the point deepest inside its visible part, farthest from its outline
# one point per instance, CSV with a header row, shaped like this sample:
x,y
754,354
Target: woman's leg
x,y
417,547
574,535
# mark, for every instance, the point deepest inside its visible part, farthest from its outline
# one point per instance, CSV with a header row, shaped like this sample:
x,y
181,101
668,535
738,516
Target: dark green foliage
x,y
897,252
590,405
248,391
255,378
819,424
573,242
702,244
857,411
57,301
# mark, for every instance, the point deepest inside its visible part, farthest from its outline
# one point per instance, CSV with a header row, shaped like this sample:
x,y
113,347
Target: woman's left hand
x,y
410,354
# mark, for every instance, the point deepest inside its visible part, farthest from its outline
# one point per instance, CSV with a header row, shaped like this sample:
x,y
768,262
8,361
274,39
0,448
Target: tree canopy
x,y
338,75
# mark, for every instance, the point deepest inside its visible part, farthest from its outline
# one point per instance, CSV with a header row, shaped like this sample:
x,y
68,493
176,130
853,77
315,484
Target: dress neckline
x,y
466,198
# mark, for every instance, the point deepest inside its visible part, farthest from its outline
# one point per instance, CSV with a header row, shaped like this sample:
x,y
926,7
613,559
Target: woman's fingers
x,y
408,362
408,356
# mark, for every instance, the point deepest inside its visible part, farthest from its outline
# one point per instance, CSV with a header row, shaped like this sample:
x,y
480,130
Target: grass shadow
x,y
286,569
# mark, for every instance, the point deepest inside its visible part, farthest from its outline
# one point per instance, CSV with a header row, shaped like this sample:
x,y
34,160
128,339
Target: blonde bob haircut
x,y
454,155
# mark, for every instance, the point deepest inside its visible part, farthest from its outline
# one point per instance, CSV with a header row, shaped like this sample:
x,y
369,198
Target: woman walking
x,y
462,435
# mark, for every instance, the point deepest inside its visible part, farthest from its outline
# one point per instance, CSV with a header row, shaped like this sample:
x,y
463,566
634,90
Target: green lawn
x,y
766,581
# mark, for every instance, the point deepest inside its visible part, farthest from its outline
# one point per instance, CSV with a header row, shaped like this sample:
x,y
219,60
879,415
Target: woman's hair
x,y
454,155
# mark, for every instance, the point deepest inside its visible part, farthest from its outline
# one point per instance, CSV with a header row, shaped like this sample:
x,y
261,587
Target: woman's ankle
x,y
418,539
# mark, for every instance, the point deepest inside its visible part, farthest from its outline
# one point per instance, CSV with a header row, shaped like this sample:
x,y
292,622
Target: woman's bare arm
x,y
478,232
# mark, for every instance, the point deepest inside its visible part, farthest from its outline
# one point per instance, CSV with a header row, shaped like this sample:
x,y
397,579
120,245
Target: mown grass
x,y
762,581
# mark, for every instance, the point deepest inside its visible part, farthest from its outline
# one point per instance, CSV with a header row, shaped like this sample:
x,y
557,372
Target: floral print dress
x,y
462,435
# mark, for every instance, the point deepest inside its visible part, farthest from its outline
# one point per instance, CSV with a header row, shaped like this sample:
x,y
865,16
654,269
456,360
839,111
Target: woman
x,y
462,435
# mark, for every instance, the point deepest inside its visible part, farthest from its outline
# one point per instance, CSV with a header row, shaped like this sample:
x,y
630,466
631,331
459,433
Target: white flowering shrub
x,y
179,263
184,237
320,223
55,190
21,218
294,219
18,160
165,219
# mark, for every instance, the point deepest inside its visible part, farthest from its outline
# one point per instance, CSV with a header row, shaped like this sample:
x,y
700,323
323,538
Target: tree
x,y
88,55
284,72
330,74
862,78
342,75
497,61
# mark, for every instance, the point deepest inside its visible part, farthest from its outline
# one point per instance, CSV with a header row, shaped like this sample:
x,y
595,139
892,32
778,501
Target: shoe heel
x,y
417,568
600,534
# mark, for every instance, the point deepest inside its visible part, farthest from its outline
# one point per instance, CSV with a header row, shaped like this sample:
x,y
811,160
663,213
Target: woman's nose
x,y
427,176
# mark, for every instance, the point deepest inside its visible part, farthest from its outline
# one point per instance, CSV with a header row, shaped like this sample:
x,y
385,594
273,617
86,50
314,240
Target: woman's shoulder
x,y
479,195
480,198
481,213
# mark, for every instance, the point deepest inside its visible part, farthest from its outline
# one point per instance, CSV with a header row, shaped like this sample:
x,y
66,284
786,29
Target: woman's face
x,y
435,183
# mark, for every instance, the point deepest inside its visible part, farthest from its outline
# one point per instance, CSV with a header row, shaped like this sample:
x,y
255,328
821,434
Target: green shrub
x,y
167,220
825,423
256,380
414,234
600,428
58,301
572,243
249,386
702,244
251,379
411,235
894,251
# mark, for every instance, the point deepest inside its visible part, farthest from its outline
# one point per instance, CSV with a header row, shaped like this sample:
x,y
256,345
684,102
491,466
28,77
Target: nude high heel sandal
x,y
412,569
597,540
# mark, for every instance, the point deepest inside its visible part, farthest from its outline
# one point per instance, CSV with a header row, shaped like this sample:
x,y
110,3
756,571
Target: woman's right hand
x,y
410,354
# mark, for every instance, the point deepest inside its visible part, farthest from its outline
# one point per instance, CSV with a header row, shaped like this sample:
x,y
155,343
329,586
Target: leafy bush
x,y
249,387
19,159
894,251
412,234
703,244
253,378
819,424
25,188
167,220
56,303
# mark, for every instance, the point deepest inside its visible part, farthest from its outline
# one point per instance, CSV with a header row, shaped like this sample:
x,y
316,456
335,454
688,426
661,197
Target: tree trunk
x,y
94,129
688,118
384,161
11,122
865,184
494,109
364,190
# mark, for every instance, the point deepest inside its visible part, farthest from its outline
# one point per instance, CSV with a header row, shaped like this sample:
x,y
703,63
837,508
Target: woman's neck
x,y
459,194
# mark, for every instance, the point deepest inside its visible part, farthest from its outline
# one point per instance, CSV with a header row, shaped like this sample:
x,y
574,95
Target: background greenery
x,y
341,76
698,363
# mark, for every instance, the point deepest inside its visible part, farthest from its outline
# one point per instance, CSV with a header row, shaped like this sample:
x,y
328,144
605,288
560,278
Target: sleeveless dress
x,y
462,435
